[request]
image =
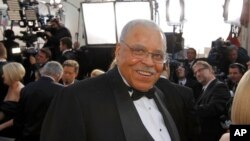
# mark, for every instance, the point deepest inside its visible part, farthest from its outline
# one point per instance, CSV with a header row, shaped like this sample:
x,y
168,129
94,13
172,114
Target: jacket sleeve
x,y
64,120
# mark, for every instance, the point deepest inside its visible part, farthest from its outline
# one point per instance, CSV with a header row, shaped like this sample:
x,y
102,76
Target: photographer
x,y
54,32
35,64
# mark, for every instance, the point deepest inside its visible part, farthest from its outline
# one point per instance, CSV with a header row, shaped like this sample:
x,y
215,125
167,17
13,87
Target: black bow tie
x,y
138,94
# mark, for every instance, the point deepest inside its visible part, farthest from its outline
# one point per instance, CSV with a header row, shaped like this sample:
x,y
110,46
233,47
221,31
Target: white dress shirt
x,y
151,117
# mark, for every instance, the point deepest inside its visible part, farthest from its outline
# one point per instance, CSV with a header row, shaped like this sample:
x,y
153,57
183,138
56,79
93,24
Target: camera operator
x,y
9,43
54,32
235,54
35,64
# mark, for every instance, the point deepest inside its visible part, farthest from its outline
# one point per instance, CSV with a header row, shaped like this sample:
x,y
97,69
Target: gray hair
x,y
141,22
52,68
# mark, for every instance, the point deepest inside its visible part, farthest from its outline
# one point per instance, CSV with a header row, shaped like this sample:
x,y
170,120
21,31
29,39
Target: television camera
x,y
25,14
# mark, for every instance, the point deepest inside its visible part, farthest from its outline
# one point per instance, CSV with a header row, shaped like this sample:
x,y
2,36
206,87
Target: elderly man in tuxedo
x,y
123,104
211,104
34,102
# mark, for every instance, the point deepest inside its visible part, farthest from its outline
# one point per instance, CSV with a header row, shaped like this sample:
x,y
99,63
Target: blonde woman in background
x,y
13,74
240,114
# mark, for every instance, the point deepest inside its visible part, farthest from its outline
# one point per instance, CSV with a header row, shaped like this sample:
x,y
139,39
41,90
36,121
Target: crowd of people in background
x,y
206,96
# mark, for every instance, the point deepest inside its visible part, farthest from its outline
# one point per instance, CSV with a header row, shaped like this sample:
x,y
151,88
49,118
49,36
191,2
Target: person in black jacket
x,y
67,52
34,101
182,79
54,33
35,64
122,104
211,104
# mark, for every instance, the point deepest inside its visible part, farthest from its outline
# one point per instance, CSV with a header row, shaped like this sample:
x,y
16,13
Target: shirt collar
x,y
205,87
183,81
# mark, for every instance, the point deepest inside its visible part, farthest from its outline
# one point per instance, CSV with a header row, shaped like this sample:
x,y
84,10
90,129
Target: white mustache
x,y
147,69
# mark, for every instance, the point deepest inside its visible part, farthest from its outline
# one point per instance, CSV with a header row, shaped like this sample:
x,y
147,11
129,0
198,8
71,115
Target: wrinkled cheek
x,y
134,61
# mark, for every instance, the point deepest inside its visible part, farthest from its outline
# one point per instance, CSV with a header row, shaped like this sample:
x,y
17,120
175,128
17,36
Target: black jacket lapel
x,y
132,125
169,122
207,90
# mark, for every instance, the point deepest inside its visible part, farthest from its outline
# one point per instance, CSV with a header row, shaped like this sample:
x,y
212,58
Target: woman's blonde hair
x,y
13,72
240,108
3,52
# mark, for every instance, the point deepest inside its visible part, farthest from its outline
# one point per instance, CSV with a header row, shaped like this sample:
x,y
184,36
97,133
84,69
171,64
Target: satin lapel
x,y
133,127
169,122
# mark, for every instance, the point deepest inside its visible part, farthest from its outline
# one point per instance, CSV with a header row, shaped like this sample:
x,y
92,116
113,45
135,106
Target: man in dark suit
x,y
189,62
112,106
70,72
54,32
211,105
34,101
35,64
182,79
67,52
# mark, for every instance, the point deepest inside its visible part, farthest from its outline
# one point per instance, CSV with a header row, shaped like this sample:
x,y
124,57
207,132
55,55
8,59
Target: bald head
x,y
130,27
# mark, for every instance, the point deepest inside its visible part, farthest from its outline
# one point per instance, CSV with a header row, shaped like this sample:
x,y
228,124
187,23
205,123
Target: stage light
x,y
99,22
14,15
13,5
22,23
31,23
103,22
31,14
16,50
175,12
232,11
55,2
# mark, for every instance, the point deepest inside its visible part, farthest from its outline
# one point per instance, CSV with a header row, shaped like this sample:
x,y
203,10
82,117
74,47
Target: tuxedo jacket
x,y
101,109
181,104
34,102
211,105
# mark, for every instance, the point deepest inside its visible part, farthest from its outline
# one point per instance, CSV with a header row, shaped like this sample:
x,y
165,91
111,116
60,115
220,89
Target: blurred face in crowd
x,y
233,55
69,75
180,72
202,74
62,46
191,54
141,72
54,25
41,58
235,75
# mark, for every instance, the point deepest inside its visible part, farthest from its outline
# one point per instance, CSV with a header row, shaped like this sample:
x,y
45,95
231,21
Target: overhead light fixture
x,y
232,11
31,23
13,5
14,15
175,12
53,2
22,23
16,50
31,14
